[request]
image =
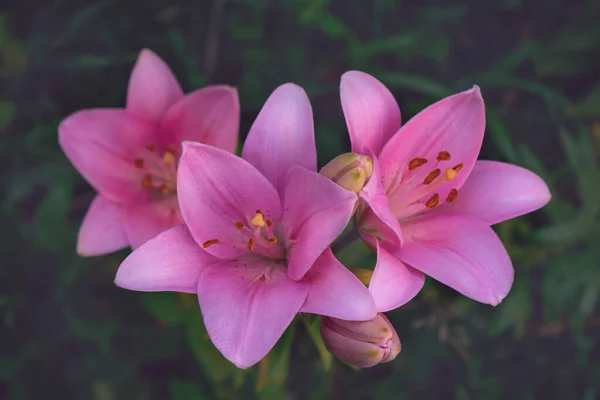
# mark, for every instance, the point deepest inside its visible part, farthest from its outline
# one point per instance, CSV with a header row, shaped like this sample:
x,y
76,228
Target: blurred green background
x,y
67,332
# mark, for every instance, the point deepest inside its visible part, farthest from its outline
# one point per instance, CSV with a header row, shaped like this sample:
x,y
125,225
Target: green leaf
x,y
184,390
274,368
313,327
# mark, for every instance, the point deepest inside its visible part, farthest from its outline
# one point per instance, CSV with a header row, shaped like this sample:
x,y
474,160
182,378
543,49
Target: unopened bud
x,y
349,170
361,343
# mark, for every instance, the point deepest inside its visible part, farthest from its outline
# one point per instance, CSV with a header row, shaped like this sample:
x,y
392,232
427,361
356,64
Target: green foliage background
x,y
67,332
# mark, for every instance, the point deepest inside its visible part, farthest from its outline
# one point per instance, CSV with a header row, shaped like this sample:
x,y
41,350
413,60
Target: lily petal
x,y
497,191
461,252
316,211
374,195
216,189
170,262
336,292
393,283
247,306
152,87
210,115
102,230
372,114
145,220
455,124
282,135
103,144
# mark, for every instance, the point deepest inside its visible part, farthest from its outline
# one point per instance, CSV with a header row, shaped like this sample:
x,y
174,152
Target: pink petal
x,y
455,124
103,144
316,211
374,196
215,190
210,115
170,262
461,252
247,306
145,220
372,114
393,283
336,292
497,191
152,87
282,135
102,230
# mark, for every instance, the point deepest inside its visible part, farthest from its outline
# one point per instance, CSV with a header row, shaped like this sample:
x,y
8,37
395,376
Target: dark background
x,y
67,332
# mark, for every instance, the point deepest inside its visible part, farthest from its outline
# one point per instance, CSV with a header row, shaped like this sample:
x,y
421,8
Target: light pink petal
x,y
103,144
374,196
336,292
393,283
170,262
216,189
455,124
152,87
372,114
316,211
497,191
247,306
145,220
210,115
461,252
282,135
102,229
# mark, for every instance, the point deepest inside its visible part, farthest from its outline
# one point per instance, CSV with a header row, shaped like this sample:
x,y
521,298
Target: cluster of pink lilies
x,y
251,235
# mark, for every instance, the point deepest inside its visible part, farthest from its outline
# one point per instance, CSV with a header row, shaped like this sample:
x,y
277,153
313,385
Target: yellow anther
x,y
168,157
258,220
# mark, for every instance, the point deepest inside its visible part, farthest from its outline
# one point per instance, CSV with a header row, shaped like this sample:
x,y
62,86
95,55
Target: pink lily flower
x,y
255,247
442,199
130,155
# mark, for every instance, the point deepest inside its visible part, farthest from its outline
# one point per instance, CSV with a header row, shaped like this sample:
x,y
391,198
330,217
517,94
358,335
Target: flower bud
x,y
350,170
361,343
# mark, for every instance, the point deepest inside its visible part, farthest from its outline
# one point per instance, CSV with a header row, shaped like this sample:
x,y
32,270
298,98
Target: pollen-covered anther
x,y
164,189
443,156
432,176
452,196
272,240
139,163
168,157
258,219
209,243
416,163
458,167
433,201
147,181
238,225
250,244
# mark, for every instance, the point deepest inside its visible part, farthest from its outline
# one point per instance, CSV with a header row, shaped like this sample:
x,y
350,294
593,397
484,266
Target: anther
x,y
139,163
168,157
250,244
433,201
269,222
209,243
458,167
238,225
258,219
272,240
147,181
432,175
151,147
452,196
164,189
443,156
416,163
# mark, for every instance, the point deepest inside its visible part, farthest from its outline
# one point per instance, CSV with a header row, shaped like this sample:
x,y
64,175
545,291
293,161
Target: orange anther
x,y
209,243
269,222
458,167
250,244
147,181
416,163
168,157
272,240
452,196
443,156
433,201
432,176
238,225
164,189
